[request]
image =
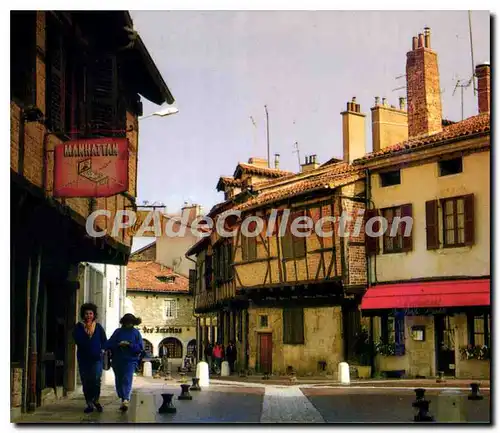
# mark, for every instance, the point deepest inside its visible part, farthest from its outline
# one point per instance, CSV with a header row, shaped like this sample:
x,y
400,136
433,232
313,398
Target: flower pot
x,y
364,371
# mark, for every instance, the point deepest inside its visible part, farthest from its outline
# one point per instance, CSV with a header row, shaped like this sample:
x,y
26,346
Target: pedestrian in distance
x,y
209,348
126,346
90,339
218,353
231,355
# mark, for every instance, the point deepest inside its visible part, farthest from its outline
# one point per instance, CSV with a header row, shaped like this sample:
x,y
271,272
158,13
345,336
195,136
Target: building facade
x,y
58,59
164,302
430,292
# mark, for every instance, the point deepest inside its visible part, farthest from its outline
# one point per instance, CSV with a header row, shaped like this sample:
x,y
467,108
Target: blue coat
x,y
89,349
125,354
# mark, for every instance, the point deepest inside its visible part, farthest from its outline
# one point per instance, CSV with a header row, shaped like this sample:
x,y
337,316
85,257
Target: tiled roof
x,y
472,125
141,276
228,181
331,176
262,171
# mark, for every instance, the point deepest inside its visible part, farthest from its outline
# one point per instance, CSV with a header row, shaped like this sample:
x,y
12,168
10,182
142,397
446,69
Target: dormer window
x,y
166,278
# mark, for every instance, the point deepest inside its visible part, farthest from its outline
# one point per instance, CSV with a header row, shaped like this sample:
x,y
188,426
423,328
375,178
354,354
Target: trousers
x,y
124,376
90,375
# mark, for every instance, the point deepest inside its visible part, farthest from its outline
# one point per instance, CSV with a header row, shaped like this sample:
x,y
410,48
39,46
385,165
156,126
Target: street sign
x,y
96,167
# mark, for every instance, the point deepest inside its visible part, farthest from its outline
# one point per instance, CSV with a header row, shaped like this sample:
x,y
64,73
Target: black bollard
x,y
440,377
243,373
474,394
167,405
196,384
185,392
422,405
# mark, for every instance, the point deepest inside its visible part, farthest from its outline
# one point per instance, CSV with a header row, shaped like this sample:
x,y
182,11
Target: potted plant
x,y
363,353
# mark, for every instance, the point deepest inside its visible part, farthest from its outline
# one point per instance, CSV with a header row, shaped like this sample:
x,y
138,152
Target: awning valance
x,y
429,294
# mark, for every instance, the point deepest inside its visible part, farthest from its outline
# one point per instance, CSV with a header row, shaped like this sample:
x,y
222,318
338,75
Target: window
x,y
22,56
293,246
453,221
397,242
450,166
192,280
393,332
166,278
249,248
208,272
479,329
390,178
148,347
293,326
223,262
450,222
170,309
264,322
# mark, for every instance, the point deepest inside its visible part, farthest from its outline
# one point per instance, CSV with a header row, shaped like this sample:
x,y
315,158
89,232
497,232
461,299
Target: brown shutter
x,y
55,82
192,280
298,326
372,243
287,326
104,117
407,211
432,224
469,219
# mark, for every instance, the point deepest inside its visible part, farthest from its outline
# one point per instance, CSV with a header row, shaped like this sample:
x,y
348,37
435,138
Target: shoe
x,y
98,406
88,409
124,406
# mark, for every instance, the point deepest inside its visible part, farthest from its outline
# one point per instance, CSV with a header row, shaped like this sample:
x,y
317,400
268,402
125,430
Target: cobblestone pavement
x,y
257,403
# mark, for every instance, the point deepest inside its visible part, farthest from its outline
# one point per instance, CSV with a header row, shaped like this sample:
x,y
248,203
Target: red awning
x,y
456,293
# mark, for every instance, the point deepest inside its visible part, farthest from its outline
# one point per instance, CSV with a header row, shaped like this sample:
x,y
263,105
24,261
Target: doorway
x,y
445,345
266,352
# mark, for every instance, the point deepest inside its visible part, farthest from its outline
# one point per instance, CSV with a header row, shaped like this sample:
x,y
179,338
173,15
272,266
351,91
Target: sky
x,y
223,66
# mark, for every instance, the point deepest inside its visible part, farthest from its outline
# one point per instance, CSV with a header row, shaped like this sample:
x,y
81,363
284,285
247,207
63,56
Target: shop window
x,y
148,348
393,332
479,329
171,347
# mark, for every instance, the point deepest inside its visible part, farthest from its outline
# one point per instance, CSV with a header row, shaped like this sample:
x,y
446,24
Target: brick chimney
x,y
310,164
483,87
389,124
193,211
258,162
422,86
353,131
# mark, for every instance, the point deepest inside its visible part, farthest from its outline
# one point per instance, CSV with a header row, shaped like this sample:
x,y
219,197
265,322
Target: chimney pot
x,y
276,160
427,37
377,100
402,103
384,102
414,43
420,40
354,99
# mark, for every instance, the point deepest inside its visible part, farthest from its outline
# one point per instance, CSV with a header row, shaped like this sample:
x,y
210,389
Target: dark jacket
x,y
129,353
231,353
89,349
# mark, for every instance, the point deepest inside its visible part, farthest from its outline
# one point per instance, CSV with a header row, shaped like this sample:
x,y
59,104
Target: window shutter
x,y
470,328
298,329
192,280
56,85
372,243
469,219
287,326
432,225
293,326
407,211
104,117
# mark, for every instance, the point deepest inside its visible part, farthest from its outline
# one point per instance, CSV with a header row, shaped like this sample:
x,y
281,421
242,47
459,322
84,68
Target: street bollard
x,y
196,384
142,408
243,373
474,394
421,406
147,369
451,406
167,405
440,377
224,369
185,392
344,376
203,374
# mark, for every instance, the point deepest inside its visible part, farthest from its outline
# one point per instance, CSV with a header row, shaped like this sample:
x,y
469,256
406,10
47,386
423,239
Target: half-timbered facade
x,y
287,301
74,75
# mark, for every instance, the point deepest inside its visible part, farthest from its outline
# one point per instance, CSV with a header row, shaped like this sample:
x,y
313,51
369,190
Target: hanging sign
x,y
94,167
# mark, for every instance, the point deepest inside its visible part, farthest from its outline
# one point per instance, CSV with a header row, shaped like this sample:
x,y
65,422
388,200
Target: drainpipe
x,y
33,326
368,271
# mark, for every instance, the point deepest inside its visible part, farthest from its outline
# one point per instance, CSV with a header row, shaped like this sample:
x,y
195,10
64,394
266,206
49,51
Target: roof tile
x,y
141,276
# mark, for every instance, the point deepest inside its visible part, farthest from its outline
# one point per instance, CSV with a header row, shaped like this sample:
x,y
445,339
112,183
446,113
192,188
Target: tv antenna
x,y
297,151
462,84
401,87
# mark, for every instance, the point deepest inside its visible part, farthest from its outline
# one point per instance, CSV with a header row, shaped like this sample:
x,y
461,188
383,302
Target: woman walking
x,y
90,339
126,346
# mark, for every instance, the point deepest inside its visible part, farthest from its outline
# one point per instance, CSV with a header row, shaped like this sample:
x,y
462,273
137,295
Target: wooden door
x,y
445,345
266,353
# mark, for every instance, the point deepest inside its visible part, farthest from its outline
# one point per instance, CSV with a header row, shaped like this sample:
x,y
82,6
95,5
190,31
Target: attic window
x,y
166,278
390,178
450,166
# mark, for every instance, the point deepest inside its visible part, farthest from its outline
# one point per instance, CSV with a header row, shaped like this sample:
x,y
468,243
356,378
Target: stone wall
x,y
322,340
